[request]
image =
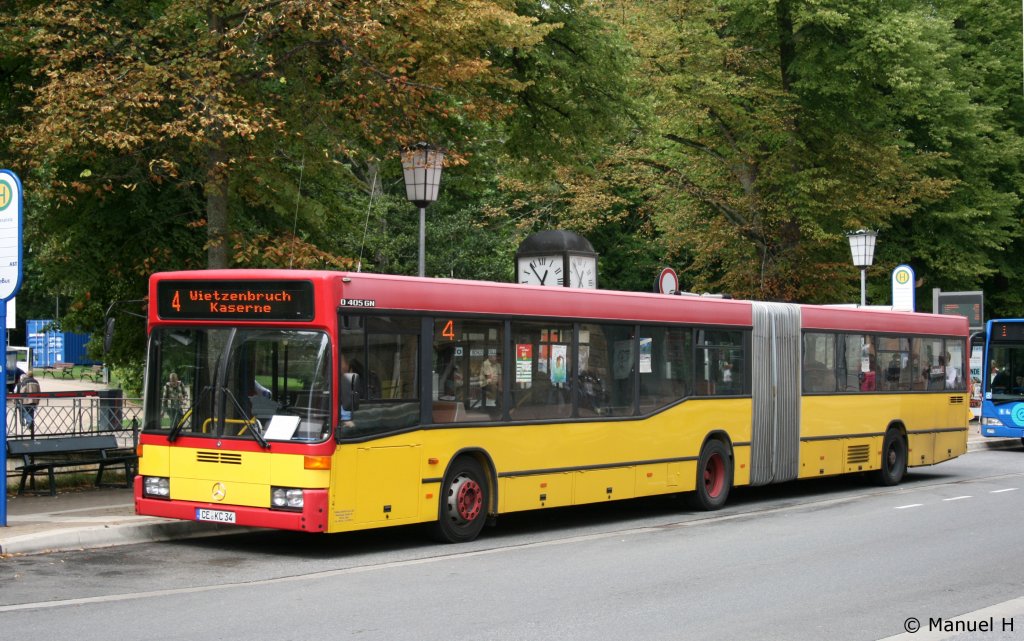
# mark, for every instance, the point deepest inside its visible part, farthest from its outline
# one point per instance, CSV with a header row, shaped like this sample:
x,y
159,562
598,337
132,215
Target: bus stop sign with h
x,y
11,220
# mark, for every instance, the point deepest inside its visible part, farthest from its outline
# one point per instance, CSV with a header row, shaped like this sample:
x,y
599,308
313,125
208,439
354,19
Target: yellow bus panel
x,y
821,458
531,492
592,486
386,481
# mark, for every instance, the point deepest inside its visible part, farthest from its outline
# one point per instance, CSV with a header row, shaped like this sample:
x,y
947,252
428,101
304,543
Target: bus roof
x,y
389,292
882,321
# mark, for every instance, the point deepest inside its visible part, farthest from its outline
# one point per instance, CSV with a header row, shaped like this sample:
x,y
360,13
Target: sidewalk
x,y
104,517
88,518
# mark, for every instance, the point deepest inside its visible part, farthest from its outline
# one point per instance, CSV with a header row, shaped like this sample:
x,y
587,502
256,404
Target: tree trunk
x,y
787,41
216,189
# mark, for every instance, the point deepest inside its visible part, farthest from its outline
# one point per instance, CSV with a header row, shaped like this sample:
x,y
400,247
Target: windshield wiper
x,y
176,428
254,424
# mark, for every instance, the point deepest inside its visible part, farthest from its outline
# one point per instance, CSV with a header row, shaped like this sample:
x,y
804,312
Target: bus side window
x,y
543,373
389,387
461,347
670,375
720,365
607,370
819,362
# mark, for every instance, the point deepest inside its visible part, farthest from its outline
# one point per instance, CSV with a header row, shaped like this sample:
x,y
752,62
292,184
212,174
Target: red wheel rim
x,y
714,475
467,499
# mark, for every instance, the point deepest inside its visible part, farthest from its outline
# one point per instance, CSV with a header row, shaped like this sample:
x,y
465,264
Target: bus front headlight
x,y
286,498
158,487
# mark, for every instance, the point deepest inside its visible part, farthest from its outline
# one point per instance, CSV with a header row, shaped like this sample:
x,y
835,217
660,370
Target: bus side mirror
x,y
349,395
348,398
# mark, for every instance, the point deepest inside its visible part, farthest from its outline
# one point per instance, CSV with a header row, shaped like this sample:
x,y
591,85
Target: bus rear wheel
x,y
714,477
894,459
463,503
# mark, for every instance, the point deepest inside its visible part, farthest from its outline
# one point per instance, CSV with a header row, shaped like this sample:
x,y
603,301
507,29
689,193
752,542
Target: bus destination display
x,y
1007,331
235,300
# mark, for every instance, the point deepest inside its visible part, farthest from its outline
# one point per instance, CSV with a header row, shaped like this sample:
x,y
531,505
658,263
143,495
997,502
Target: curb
x,y
110,535
993,444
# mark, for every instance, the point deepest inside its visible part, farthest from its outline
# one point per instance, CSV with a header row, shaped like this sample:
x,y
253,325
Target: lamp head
x,y
862,247
422,164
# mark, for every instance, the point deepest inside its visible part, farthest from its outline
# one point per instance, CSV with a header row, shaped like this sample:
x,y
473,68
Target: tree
x,y
177,128
778,127
191,90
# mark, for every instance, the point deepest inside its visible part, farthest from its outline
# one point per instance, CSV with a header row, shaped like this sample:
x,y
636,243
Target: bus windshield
x,y
262,384
1006,372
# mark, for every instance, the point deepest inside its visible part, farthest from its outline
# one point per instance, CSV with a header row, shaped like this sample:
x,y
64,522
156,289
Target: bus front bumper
x,y
1001,431
312,517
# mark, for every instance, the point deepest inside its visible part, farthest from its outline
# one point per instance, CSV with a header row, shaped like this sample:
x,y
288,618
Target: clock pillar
x,y
557,258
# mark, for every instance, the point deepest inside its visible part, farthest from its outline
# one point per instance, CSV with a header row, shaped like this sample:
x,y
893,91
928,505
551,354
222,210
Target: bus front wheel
x,y
894,459
714,476
463,503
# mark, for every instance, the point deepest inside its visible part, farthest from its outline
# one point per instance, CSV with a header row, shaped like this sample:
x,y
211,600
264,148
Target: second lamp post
x,y
862,246
422,165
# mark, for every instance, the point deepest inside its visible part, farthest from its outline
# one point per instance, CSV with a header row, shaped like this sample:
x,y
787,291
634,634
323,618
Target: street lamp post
x,y
422,165
862,246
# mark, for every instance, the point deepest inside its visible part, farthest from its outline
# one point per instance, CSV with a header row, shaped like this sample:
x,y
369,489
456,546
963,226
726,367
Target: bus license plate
x,y
217,516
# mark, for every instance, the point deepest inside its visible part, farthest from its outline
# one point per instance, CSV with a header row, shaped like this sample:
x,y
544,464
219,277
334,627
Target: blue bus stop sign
x,y
11,223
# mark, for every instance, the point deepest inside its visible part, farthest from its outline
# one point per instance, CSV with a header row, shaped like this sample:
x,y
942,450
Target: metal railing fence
x,y
67,414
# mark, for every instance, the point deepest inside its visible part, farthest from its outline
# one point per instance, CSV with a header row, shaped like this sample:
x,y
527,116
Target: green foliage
x,y
129,374
736,141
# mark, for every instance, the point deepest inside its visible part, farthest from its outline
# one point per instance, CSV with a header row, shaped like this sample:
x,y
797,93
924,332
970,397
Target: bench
x,y
95,373
50,454
66,370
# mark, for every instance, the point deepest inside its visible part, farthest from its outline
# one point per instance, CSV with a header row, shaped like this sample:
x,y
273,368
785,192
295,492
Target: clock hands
x,y
539,277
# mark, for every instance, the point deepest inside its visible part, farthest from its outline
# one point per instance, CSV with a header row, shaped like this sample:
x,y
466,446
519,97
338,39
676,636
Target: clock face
x,y
541,270
583,272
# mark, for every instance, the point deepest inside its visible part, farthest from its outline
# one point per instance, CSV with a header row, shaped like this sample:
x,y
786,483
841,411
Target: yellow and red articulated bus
x,y
333,401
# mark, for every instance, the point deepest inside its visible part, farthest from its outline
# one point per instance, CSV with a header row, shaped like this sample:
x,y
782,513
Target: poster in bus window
x,y
623,363
646,345
559,355
584,358
524,363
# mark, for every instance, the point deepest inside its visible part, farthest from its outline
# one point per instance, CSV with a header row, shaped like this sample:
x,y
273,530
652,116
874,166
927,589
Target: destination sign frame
x,y
1010,332
238,300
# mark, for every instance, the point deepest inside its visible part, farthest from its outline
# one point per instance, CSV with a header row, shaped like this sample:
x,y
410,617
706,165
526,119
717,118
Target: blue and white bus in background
x,y
1002,400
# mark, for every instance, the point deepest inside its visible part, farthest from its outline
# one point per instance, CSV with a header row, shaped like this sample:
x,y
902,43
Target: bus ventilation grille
x,y
227,458
956,400
858,454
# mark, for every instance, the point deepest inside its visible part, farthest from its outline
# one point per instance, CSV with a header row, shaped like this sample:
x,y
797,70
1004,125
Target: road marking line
x,y
957,498
698,521
1009,489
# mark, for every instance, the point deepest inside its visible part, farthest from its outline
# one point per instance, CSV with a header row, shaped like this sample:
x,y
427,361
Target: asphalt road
x,y
835,559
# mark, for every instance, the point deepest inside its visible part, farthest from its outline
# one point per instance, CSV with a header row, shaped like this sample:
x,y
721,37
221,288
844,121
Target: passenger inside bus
x,y
952,372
